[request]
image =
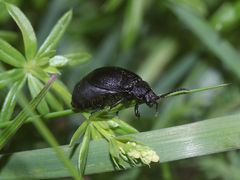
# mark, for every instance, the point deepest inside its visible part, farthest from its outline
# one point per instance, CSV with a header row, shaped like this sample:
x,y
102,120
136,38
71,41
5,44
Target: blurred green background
x,y
170,44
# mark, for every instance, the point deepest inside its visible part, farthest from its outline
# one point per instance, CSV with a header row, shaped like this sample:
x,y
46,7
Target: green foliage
x,y
170,44
35,67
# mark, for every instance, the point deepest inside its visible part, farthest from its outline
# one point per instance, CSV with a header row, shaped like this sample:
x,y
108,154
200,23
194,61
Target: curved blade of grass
x,y
29,37
10,100
186,91
55,35
161,54
9,55
220,47
10,76
9,131
132,21
175,143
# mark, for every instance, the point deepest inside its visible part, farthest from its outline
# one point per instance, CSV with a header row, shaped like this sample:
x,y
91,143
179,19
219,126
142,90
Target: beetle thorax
x,y
142,92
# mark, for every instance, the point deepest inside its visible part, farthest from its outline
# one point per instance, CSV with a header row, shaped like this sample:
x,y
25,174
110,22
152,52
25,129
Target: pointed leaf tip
x,y
29,37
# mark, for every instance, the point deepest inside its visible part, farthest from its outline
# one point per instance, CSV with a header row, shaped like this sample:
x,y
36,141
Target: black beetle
x,y
110,86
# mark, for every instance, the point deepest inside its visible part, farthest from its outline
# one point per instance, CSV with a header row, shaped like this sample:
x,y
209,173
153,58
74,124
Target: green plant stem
x,y
48,116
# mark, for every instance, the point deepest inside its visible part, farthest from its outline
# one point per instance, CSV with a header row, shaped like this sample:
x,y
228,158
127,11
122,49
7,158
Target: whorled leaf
x,y
10,76
9,55
77,58
35,87
10,100
58,87
55,35
29,37
78,133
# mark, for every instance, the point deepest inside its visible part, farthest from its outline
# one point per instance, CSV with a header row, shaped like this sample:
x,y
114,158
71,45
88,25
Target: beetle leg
x,y
137,114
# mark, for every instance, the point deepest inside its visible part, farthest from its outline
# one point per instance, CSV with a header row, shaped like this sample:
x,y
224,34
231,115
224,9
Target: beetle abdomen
x,y
88,97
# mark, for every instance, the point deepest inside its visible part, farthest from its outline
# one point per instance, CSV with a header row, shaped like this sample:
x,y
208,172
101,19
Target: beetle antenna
x,y
178,91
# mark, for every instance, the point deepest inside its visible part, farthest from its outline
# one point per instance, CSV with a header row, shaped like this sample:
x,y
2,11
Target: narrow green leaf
x,y
10,100
55,35
160,56
9,131
112,5
35,87
9,55
125,126
29,37
77,58
95,135
58,87
62,91
186,91
83,153
10,76
58,61
200,27
78,133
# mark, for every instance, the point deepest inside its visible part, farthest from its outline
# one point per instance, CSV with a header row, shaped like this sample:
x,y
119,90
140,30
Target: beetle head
x,y
143,92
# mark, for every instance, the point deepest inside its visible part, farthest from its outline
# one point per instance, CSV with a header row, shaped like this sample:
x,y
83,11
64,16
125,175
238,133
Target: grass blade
x,y
220,47
9,55
29,37
186,91
132,21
